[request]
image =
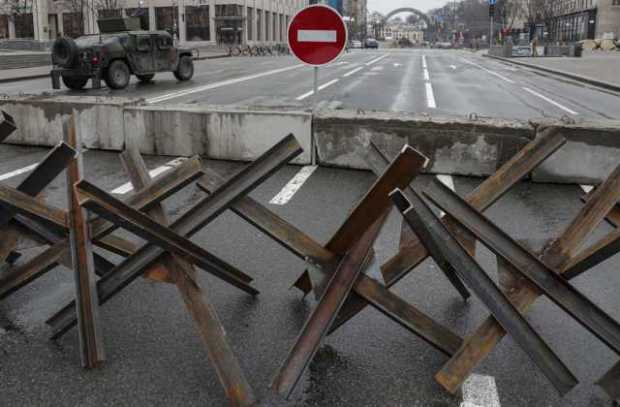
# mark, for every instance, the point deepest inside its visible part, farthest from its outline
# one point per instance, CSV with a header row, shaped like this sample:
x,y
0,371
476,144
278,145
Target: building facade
x,y
209,21
575,20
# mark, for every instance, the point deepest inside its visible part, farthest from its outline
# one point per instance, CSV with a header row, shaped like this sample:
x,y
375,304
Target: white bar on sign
x,y
317,36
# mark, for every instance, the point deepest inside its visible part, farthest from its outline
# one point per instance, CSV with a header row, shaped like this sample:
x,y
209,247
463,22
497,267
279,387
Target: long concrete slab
x,y
456,145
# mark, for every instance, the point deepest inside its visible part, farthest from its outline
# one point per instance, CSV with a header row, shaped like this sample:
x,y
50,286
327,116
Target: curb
x,y
40,76
579,78
24,78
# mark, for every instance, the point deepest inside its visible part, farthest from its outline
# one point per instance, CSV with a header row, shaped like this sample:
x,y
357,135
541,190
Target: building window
x,y
109,13
197,23
4,27
140,13
72,25
615,3
164,19
259,25
250,24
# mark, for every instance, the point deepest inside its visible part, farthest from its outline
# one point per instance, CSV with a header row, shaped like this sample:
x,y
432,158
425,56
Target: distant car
x,y
371,43
443,45
356,44
121,50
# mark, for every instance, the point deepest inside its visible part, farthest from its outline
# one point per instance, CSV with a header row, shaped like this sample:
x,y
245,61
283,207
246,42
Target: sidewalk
x,y
11,75
597,68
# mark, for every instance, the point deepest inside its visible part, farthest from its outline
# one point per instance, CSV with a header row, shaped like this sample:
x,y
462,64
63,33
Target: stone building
x,y
205,21
574,20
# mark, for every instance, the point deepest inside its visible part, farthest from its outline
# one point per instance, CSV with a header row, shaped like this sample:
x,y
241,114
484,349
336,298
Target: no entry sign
x,y
317,35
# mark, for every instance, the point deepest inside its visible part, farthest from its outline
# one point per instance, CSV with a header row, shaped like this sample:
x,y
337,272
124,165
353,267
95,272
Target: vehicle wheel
x,y
117,75
254,51
146,78
64,52
236,51
74,82
185,70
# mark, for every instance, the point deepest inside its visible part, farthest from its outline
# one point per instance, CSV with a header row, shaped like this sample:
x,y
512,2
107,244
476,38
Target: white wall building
x,y
209,21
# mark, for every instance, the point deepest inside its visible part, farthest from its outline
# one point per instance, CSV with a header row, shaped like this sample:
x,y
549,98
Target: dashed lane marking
x,y
20,171
127,187
551,101
480,391
500,76
353,72
323,86
430,96
294,185
189,91
374,61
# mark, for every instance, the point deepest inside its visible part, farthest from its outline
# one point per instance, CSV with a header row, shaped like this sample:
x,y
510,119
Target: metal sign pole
x,y
316,87
491,33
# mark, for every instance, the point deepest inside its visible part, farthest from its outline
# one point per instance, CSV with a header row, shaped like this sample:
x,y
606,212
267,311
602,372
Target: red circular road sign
x,y
317,35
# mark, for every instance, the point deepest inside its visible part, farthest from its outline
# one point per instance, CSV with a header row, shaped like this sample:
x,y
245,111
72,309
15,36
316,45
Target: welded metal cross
x,y
174,238
542,276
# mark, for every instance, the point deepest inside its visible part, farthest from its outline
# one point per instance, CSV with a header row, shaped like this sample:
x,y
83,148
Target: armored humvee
x,y
119,51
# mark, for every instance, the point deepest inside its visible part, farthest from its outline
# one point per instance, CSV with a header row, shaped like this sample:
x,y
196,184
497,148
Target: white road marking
x,y
127,187
293,186
317,36
502,77
20,171
447,180
353,72
553,102
181,93
323,86
424,62
396,65
430,96
587,188
453,67
427,77
377,68
480,391
374,61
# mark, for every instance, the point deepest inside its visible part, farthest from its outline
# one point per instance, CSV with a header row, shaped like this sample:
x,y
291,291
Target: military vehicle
x,y
120,50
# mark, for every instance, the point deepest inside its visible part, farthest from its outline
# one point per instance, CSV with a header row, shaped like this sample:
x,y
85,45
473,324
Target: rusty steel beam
x,y
304,247
487,335
545,279
227,367
18,277
87,309
449,254
48,169
7,125
492,189
398,174
594,255
415,321
197,217
161,188
19,202
378,162
122,215
487,193
602,201
287,235
610,382
315,328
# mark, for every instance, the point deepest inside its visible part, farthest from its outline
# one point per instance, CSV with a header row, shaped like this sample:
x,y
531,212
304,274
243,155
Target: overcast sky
x,y
385,6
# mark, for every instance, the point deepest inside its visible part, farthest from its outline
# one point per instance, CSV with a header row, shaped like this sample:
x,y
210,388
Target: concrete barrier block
x,y
455,146
213,131
39,120
590,155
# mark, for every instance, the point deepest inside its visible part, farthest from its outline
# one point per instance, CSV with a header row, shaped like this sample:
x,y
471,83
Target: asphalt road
x,y
436,82
155,357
